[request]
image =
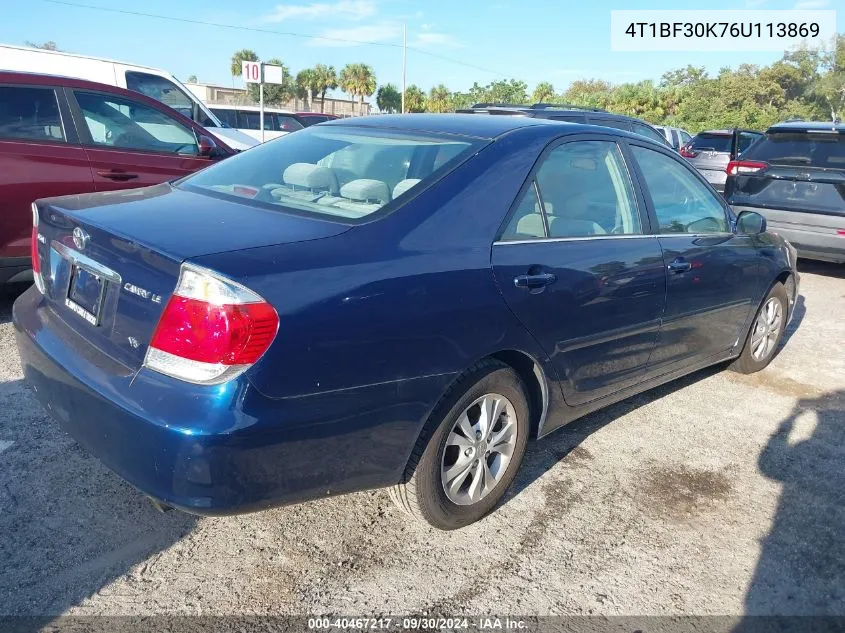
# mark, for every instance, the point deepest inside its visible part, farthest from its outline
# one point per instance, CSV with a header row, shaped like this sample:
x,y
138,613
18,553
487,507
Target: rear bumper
x,y
215,450
813,235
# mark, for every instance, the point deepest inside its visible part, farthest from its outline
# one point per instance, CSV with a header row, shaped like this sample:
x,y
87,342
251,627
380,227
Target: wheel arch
x,y
534,378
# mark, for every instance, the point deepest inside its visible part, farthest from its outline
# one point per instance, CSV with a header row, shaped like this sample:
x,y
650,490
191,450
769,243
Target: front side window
x,y
30,114
644,130
127,124
344,172
581,189
682,203
162,90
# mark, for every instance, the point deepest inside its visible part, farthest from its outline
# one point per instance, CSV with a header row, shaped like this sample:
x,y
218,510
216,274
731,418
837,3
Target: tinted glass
x,y
712,142
572,118
229,117
345,172
682,203
676,140
800,148
248,120
586,190
527,221
614,123
30,113
746,140
648,132
685,138
161,89
126,124
288,123
314,120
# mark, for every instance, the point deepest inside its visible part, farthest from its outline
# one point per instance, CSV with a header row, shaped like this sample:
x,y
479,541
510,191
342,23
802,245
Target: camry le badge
x,y
80,238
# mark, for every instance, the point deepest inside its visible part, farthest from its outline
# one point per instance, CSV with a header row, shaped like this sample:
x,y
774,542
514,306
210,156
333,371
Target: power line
x,y
253,29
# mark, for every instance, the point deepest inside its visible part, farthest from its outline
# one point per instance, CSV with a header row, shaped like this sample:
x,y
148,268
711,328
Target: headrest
x,y
365,190
403,185
531,224
309,176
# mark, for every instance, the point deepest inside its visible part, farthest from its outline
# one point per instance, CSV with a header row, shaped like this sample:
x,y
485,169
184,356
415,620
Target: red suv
x,y
65,136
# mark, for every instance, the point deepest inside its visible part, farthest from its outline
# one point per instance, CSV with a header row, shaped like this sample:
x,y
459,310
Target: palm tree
x,y
439,99
238,57
543,93
358,80
414,99
388,99
306,85
325,78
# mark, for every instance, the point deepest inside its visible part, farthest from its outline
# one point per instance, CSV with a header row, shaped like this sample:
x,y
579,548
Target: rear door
x,y
713,274
577,266
130,143
797,180
39,158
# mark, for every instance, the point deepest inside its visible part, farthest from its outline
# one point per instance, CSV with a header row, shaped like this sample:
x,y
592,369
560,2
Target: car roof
x,y
331,116
246,108
99,59
802,126
477,126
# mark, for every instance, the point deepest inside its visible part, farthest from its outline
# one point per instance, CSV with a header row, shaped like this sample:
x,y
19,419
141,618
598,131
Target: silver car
x,y
677,137
711,151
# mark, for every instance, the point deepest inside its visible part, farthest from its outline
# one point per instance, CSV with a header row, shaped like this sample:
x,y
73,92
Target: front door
x,y
577,267
131,144
712,273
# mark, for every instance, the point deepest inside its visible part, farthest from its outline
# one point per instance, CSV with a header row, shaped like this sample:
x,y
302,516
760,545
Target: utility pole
x,y
404,58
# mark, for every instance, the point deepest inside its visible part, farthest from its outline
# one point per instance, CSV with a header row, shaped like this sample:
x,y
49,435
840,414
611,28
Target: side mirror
x,y
750,223
207,147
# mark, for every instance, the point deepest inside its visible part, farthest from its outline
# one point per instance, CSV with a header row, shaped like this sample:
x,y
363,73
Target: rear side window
x,y
820,149
229,117
288,123
122,123
711,142
682,203
584,190
571,118
618,124
30,114
345,172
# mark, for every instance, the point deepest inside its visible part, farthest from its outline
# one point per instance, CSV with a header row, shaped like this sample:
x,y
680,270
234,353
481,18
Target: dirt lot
x,y
719,494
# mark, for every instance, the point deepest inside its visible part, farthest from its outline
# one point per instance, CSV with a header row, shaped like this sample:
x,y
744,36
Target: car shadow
x,y
799,311
68,525
828,269
801,569
543,455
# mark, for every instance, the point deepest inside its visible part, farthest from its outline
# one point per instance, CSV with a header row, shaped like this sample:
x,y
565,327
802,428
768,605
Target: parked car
x,y
710,152
152,82
675,136
795,178
571,114
406,300
247,119
312,118
67,136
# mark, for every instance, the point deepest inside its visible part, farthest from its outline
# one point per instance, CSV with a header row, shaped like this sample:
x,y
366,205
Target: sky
x,y
455,42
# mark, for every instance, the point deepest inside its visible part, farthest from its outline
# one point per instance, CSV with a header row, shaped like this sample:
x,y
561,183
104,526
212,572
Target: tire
x,y
748,362
422,491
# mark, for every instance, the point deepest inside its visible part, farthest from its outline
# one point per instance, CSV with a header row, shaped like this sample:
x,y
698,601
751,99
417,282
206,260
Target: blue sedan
x,y
396,301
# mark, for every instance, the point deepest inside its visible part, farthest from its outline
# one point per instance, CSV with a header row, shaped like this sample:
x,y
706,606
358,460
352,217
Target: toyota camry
x,y
398,301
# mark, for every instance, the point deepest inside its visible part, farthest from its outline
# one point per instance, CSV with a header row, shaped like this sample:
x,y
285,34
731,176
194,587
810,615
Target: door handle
x,y
679,266
534,281
114,174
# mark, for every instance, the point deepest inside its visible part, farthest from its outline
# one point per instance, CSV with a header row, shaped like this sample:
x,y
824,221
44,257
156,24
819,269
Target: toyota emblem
x,y
80,238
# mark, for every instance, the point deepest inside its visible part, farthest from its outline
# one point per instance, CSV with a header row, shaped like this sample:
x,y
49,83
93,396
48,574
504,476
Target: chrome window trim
x,y
583,238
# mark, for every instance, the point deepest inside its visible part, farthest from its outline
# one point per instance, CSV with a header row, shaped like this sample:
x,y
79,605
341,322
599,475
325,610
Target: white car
x,y
246,119
155,83
677,137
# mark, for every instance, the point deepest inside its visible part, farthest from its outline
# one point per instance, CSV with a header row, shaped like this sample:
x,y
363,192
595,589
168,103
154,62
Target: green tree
x,y
590,93
414,99
325,79
544,92
358,80
238,57
439,99
49,45
192,79
508,91
275,94
389,99
307,85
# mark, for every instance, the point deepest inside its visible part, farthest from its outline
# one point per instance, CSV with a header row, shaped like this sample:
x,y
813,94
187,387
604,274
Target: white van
x,y
157,84
246,119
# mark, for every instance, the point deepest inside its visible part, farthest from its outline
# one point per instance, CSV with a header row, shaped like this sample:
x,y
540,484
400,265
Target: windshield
x,y
341,171
819,149
712,142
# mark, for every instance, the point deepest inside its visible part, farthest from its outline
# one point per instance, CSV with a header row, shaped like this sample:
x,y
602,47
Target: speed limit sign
x,y
251,72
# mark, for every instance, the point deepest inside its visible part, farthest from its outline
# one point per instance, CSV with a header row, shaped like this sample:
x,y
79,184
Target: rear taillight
x,y
211,329
33,250
745,167
686,152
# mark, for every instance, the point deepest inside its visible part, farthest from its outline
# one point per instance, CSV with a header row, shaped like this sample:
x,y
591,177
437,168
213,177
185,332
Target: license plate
x,y
85,294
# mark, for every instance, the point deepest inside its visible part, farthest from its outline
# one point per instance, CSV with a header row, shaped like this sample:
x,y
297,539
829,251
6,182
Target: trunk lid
x,y
110,261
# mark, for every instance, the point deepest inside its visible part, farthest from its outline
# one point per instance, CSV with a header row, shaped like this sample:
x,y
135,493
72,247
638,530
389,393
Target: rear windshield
x,y
819,149
342,171
711,142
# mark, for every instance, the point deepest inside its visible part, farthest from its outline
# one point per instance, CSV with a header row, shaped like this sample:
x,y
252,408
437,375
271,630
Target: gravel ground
x,y
718,494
